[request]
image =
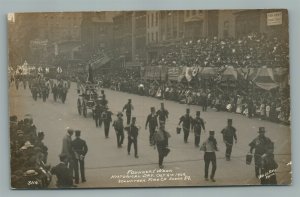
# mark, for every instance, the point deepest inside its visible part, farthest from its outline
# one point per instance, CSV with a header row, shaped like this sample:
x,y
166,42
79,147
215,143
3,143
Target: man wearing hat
x,y
261,144
198,123
67,148
63,173
209,147
133,132
162,114
186,121
152,120
119,128
98,111
128,108
106,118
80,149
229,133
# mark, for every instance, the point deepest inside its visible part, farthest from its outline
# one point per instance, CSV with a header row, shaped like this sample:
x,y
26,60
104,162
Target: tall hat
x,y
211,132
188,110
119,114
229,120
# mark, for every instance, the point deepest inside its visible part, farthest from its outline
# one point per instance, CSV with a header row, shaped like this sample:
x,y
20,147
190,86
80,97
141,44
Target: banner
x,y
274,18
155,73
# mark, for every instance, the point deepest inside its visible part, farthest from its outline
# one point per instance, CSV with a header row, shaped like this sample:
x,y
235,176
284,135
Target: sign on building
x,y
274,18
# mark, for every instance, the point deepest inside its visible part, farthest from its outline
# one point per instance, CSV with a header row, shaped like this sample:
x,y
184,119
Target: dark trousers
x,y
106,127
228,150
257,162
151,131
120,138
98,121
134,141
210,157
128,118
76,169
161,155
197,139
186,133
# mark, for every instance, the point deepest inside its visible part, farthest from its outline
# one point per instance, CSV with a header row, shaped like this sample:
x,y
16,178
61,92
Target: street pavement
x,y
104,159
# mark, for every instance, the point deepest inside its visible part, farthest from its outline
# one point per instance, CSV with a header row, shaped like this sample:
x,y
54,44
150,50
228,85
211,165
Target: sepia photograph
x,y
153,98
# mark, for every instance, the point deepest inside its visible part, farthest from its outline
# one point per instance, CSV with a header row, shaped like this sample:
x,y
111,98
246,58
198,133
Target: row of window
x,y
152,37
152,19
189,13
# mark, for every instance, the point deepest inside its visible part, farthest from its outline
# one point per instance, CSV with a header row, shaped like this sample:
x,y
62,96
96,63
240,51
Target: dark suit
x,y
198,123
152,121
80,149
228,134
132,138
63,174
186,125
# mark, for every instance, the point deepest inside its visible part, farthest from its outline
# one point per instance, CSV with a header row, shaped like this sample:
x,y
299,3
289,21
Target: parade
x,y
212,110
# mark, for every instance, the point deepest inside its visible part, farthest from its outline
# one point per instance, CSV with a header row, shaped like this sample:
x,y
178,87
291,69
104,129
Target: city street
x,y
104,159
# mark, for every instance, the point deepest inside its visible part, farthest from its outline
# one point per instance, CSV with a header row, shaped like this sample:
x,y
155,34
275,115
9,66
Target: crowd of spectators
x,y
245,99
252,50
29,167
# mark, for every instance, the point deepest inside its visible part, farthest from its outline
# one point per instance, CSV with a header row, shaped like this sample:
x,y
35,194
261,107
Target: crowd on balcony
x,y
29,167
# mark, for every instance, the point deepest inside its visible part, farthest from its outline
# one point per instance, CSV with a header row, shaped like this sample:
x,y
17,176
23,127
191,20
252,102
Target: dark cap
x,y
188,110
133,118
41,134
229,120
119,114
129,100
77,132
197,113
261,130
152,108
211,132
62,157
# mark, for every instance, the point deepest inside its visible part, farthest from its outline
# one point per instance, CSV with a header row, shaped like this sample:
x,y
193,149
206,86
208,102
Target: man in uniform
x,y
133,132
80,149
162,114
119,128
98,112
198,123
161,142
106,118
67,148
209,147
186,121
63,173
152,120
128,108
229,133
261,144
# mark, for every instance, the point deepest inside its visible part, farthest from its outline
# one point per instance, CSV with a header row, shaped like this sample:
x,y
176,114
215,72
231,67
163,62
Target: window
x,y
156,20
187,13
152,19
152,37
194,12
156,37
148,20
